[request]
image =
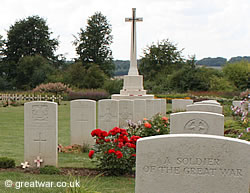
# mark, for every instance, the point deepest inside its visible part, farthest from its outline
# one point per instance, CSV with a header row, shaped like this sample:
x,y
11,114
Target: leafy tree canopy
x,y
93,44
161,58
28,37
238,74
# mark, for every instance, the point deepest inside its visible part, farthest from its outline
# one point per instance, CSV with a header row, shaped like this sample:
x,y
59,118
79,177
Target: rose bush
x,y
158,125
114,152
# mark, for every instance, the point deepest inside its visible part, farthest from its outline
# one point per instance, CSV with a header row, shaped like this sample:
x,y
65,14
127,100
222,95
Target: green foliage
x,y
32,71
238,74
93,94
1,48
220,84
113,86
6,162
82,77
93,44
114,152
28,37
160,59
50,170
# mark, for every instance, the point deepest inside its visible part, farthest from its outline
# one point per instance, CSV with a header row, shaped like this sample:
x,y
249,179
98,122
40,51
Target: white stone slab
x,y
41,132
180,104
82,121
139,110
213,108
163,106
126,110
150,112
197,122
212,102
192,163
108,114
243,105
157,106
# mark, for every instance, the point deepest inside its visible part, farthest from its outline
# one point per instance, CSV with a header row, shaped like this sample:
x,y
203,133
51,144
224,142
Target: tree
x,y
160,59
32,71
93,44
81,77
1,47
238,74
28,37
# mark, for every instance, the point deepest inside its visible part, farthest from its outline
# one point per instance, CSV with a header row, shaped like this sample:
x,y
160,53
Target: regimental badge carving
x,y
196,126
40,112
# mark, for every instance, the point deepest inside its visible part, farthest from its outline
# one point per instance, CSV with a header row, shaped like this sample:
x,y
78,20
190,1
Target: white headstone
x,y
212,102
126,108
197,122
108,114
157,106
40,132
180,104
205,107
163,106
192,163
82,121
139,110
150,112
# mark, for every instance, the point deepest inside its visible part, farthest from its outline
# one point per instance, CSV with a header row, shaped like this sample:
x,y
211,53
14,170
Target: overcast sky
x,y
206,28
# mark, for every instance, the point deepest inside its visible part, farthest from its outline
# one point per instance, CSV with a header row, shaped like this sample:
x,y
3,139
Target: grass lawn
x,y
12,146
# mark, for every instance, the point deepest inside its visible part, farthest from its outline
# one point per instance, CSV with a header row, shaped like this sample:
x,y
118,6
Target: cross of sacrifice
x,y
133,60
38,161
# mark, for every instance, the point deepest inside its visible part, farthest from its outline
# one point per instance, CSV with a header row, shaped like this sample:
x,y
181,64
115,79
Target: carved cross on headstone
x,y
133,60
40,140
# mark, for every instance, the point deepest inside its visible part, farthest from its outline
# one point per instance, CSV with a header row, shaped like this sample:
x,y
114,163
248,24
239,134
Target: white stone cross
x,y
39,141
133,60
38,161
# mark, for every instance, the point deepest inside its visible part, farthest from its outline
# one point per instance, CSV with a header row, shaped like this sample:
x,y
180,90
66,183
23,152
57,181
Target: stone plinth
x,y
131,97
133,85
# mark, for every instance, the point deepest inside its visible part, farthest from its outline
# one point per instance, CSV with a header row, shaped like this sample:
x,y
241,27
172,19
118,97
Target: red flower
x,y
111,151
107,140
147,125
120,145
164,119
96,132
91,153
134,138
133,155
118,154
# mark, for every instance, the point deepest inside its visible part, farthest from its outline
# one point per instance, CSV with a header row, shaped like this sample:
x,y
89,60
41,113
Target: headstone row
x,y
195,157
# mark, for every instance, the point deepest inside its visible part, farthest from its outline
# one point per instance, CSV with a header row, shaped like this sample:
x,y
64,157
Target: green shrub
x,y
93,94
49,170
7,162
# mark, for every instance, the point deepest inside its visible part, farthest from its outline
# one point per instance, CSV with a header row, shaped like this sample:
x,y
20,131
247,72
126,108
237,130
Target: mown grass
x,y
12,145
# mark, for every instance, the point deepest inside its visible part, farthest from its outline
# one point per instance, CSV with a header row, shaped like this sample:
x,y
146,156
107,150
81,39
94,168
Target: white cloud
x,y
205,28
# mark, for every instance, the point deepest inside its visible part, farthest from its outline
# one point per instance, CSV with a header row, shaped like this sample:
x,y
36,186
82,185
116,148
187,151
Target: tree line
x,y
27,59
